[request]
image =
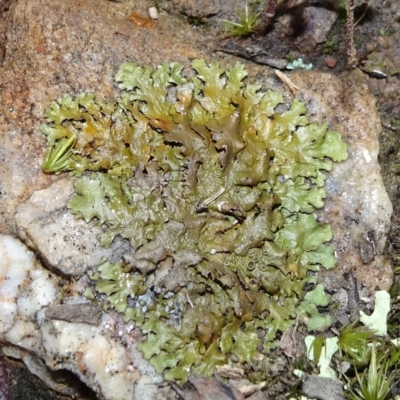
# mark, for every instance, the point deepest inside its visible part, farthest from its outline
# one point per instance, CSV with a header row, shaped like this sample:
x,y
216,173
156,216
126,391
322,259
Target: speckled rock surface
x,y
62,242
54,47
357,205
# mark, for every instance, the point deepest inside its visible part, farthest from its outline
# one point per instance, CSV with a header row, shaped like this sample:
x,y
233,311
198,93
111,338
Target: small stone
x,y
227,371
209,389
330,62
323,388
153,13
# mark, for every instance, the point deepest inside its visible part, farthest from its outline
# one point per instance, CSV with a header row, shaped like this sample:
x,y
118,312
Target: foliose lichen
x,y
216,193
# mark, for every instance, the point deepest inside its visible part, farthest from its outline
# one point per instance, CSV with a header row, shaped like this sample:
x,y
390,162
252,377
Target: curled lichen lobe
x,y
216,193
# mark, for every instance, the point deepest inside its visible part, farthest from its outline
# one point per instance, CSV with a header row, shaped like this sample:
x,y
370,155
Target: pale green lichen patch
x,y
216,193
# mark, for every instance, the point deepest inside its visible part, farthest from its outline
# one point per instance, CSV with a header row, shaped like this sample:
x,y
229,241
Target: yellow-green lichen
x,y
216,193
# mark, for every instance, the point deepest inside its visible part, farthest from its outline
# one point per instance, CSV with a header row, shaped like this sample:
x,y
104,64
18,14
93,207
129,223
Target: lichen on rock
x,y
216,193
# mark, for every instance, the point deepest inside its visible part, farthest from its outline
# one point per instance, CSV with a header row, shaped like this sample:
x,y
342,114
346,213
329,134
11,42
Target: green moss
x,y
216,193
330,45
247,22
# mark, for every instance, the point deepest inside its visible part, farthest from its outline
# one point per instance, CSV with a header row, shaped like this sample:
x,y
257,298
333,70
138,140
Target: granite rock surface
x,y
55,47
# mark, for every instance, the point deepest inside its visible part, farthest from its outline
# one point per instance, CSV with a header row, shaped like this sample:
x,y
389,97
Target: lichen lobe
x,y
216,193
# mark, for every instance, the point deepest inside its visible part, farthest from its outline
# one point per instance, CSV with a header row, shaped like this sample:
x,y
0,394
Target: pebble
x,y
330,62
153,13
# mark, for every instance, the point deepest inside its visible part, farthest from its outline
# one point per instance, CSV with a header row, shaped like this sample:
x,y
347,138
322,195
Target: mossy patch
x,y
216,193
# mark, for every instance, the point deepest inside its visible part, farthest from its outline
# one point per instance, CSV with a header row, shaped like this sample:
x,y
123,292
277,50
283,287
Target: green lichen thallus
x,y
216,193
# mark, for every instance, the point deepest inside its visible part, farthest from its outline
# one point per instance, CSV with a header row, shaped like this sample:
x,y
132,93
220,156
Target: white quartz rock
x,y
27,290
15,262
100,361
42,292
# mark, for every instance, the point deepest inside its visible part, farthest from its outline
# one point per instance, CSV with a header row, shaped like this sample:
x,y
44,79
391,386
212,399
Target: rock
x,y
99,359
64,383
258,396
330,62
68,46
195,9
209,389
153,13
357,206
75,313
25,289
51,337
64,243
5,390
310,27
323,388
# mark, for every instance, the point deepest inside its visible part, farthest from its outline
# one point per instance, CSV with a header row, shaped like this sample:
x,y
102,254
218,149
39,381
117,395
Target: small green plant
x,y
317,347
353,343
395,123
246,24
374,383
329,46
383,32
341,10
290,57
57,156
367,356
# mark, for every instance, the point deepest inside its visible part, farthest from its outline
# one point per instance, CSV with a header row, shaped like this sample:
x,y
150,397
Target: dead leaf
x,y
287,343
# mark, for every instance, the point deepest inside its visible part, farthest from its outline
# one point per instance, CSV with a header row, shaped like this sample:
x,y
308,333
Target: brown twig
x,y
287,81
350,48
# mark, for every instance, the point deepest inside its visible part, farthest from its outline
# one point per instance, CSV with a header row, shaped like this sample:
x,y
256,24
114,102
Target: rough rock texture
x,y
63,243
357,205
317,23
210,389
323,388
56,46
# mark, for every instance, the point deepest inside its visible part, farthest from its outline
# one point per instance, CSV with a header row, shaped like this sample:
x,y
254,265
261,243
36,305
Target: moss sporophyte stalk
x,y
216,193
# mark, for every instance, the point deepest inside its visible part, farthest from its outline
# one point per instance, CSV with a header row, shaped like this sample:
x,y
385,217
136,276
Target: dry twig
x,y
350,48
